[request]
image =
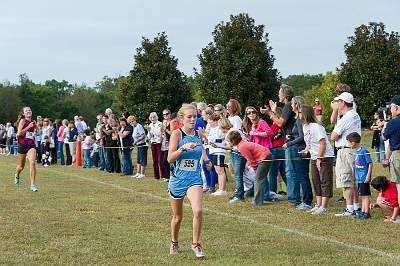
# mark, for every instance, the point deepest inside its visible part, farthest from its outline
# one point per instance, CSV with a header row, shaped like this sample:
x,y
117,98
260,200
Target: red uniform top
x,y
390,194
275,130
28,138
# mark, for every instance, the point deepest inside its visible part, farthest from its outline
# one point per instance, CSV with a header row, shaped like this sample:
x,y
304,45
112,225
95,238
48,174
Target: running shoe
x,y
198,250
17,181
316,207
363,216
174,249
34,188
320,210
341,200
346,212
220,193
235,200
140,176
276,197
304,206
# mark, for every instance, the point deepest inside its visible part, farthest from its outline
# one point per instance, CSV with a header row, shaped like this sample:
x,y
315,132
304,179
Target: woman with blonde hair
x,y
185,152
297,168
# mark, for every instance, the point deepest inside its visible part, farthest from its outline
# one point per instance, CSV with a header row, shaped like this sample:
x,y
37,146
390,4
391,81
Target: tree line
x,y
238,63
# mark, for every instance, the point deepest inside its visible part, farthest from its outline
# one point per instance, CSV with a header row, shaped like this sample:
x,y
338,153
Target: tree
x,y
325,92
10,103
372,68
238,64
303,82
154,83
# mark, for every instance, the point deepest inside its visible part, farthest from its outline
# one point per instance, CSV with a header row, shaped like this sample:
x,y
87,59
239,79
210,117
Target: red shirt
x,y
253,152
390,195
317,109
279,142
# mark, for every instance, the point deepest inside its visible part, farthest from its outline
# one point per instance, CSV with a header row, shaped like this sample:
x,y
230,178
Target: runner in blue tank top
x,y
185,154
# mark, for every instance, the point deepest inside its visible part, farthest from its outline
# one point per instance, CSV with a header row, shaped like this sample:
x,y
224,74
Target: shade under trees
x,y
238,64
372,67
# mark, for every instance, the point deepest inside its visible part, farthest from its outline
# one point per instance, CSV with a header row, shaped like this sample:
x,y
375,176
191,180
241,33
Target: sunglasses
x,y
166,114
251,112
217,110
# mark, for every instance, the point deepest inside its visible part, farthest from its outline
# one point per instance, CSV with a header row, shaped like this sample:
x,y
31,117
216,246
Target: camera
x,y
218,140
278,135
385,111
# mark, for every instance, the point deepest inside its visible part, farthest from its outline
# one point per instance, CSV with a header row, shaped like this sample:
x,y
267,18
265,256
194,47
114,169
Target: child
x,y
94,152
216,136
86,143
321,151
387,198
259,158
46,158
363,170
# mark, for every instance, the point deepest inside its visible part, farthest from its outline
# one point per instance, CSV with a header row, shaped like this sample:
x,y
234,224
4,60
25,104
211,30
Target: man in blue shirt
x,y
391,132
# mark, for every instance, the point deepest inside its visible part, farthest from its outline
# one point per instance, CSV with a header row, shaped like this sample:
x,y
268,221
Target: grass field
x,y
83,216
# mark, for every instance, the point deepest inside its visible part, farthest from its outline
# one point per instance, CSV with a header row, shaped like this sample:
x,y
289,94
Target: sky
x,y
83,41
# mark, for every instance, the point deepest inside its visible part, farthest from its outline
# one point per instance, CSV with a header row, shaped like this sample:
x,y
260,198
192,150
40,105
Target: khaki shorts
x,y
394,167
344,168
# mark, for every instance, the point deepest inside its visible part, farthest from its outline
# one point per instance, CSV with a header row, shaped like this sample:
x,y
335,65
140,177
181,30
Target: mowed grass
x,y
87,217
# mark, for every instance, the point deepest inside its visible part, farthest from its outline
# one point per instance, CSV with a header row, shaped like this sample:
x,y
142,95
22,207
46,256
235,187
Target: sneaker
x,y
357,212
363,216
316,207
198,250
303,206
34,188
174,249
140,176
206,189
320,210
346,212
17,181
397,221
211,190
220,193
237,200
276,197
135,176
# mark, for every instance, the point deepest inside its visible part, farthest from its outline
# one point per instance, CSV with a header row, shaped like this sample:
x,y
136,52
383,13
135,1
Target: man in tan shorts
x,y
349,122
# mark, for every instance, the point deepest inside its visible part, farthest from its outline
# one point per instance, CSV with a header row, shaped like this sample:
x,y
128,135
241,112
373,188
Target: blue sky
x,y
82,41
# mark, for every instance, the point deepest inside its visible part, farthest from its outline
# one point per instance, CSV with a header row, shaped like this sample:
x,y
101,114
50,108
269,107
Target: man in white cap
x,y
347,123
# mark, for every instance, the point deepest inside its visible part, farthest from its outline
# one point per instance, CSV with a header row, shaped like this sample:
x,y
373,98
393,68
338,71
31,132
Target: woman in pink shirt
x,y
258,130
60,136
259,158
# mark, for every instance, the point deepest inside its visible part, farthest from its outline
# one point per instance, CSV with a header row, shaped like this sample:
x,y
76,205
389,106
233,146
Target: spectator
x,y
139,140
78,125
71,143
297,168
349,122
166,134
86,143
62,125
155,138
321,151
200,122
318,110
53,142
391,132
125,134
378,143
387,199
9,138
233,107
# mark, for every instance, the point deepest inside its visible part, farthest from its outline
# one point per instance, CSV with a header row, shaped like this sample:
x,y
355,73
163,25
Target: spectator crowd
x,y
275,153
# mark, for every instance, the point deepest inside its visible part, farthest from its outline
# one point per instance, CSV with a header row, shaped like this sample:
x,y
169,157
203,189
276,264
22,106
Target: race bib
x,y
29,135
188,165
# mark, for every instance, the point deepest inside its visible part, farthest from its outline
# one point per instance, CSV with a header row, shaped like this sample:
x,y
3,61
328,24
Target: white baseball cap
x,y
346,97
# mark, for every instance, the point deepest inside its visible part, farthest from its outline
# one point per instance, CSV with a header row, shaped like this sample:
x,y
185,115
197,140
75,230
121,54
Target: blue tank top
x,y
187,166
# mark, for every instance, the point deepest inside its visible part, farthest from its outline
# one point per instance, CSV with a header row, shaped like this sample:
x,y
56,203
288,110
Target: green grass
x,y
83,216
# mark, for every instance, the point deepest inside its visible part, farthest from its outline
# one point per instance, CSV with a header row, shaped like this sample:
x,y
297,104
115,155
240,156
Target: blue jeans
x,y
277,167
211,176
104,165
95,159
297,177
380,152
87,162
127,161
238,165
60,152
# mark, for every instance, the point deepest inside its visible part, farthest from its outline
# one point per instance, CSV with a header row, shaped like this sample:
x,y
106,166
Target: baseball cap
x,y
395,100
316,99
346,97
